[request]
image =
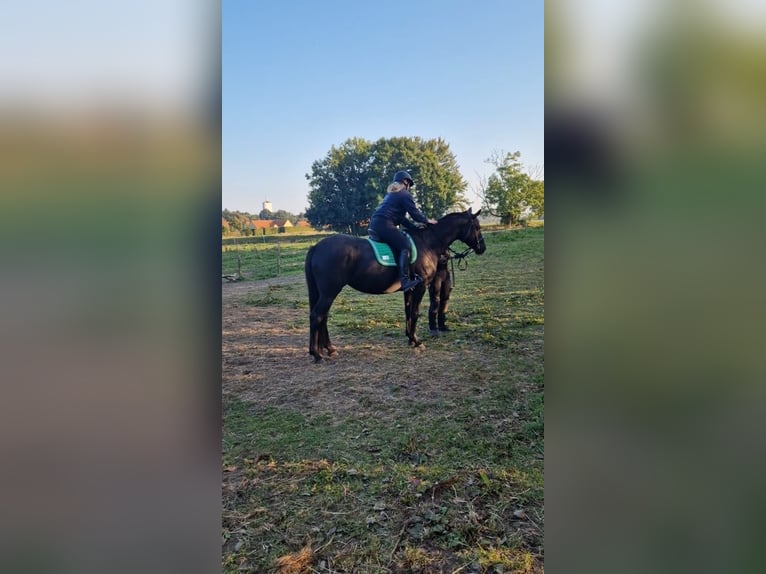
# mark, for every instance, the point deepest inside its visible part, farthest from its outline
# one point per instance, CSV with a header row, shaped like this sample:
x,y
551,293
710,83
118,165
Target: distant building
x,y
267,206
259,226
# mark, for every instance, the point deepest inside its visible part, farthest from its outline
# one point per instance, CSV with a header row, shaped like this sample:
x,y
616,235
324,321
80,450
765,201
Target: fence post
x,y
239,260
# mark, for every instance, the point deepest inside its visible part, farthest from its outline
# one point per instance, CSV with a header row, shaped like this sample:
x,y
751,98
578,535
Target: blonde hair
x,y
396,187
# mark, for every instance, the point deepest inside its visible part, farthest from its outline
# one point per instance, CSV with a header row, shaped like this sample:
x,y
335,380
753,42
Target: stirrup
x,y
408,284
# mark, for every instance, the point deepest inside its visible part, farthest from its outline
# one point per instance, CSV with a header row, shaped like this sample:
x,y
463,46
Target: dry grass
x,y
296,563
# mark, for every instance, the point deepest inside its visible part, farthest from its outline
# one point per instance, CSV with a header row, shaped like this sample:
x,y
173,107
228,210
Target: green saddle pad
x,y
385,256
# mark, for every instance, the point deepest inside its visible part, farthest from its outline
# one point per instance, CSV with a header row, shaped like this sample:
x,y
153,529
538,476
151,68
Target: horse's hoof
x,y
420,347
332,350
436,333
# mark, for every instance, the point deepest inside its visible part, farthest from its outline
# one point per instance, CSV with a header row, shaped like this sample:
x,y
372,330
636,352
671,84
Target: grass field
x,y
388,458
256,260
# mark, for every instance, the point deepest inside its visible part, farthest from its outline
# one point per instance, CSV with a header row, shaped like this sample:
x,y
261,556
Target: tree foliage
x,y
342,195
511,192
439,186
278,215
238,220
347,185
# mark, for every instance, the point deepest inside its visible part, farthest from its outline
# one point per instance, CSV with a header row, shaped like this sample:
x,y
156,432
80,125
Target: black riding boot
x,y
404,271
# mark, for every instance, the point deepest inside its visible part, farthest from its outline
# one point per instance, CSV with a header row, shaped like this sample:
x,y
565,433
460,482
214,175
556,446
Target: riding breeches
x,y
382,229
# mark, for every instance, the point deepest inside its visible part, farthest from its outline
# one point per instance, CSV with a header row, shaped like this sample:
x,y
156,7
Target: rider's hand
x,y
432,221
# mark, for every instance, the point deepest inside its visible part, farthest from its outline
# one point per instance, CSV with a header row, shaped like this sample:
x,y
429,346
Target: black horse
x,y
340,260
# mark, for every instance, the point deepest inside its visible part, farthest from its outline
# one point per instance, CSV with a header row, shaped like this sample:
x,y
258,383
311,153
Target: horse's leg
x,y
332,350
321,337
324,339
434,295
316,330
314,336
412,323
441,319
313,292
408,314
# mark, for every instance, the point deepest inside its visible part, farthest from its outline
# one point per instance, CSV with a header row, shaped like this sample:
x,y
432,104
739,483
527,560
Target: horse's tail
x,y
311,281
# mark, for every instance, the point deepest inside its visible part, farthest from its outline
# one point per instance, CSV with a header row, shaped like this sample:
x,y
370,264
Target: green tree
x,y
342,196
439,186
238,220
511,192
347,185
281,214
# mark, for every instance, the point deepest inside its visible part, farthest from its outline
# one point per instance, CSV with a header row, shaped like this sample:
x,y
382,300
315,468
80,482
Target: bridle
x,y
462,261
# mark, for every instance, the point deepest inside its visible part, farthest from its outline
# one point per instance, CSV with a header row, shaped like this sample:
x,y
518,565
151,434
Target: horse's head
x,y
471,232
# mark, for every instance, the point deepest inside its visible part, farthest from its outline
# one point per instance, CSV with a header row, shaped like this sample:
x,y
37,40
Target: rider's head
x,y
403,177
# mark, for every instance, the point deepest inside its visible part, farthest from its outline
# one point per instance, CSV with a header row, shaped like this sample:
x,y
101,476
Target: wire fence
x,y
267,256
256,258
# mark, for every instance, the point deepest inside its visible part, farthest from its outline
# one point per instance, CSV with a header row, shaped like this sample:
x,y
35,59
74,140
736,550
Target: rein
x,y
461,260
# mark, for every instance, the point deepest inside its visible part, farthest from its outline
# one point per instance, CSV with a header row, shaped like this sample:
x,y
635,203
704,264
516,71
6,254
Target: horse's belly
x,y
395,286
379,286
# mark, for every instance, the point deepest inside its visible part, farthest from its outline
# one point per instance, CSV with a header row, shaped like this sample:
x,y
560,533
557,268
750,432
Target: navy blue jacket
x,y
395,206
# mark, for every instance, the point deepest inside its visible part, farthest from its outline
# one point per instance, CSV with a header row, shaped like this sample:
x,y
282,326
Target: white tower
x,y
267,206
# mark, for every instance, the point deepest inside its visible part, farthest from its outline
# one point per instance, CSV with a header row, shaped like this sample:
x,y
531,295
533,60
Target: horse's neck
x,y
444,236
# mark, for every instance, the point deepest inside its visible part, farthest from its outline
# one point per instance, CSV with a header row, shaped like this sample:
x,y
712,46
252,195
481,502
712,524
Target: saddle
x,y
385,255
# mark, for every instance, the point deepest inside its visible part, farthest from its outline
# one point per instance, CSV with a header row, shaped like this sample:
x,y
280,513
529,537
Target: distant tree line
x,y
347,185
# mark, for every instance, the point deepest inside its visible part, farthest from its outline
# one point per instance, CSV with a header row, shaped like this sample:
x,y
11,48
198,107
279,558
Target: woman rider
x,y
391,213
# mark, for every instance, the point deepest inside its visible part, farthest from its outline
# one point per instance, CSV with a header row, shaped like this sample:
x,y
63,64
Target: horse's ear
x,y
477,213
470,209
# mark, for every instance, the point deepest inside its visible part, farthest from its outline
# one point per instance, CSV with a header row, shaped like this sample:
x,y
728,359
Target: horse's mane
x,y
452,215
417,231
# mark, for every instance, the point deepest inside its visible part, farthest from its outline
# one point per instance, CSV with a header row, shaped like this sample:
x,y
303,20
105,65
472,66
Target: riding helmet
x,y
404,176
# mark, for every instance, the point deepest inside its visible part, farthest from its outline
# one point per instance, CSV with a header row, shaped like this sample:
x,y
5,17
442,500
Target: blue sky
x,y
302,76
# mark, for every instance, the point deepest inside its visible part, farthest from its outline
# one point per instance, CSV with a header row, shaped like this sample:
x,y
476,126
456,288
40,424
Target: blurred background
x,y
110,353
110,356
655,143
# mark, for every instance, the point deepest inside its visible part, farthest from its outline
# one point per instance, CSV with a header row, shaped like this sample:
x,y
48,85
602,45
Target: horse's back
x,y
335,257
340,260
339,247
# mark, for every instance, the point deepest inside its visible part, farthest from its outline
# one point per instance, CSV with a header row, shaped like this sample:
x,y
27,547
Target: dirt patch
x,y
266,362
231,290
